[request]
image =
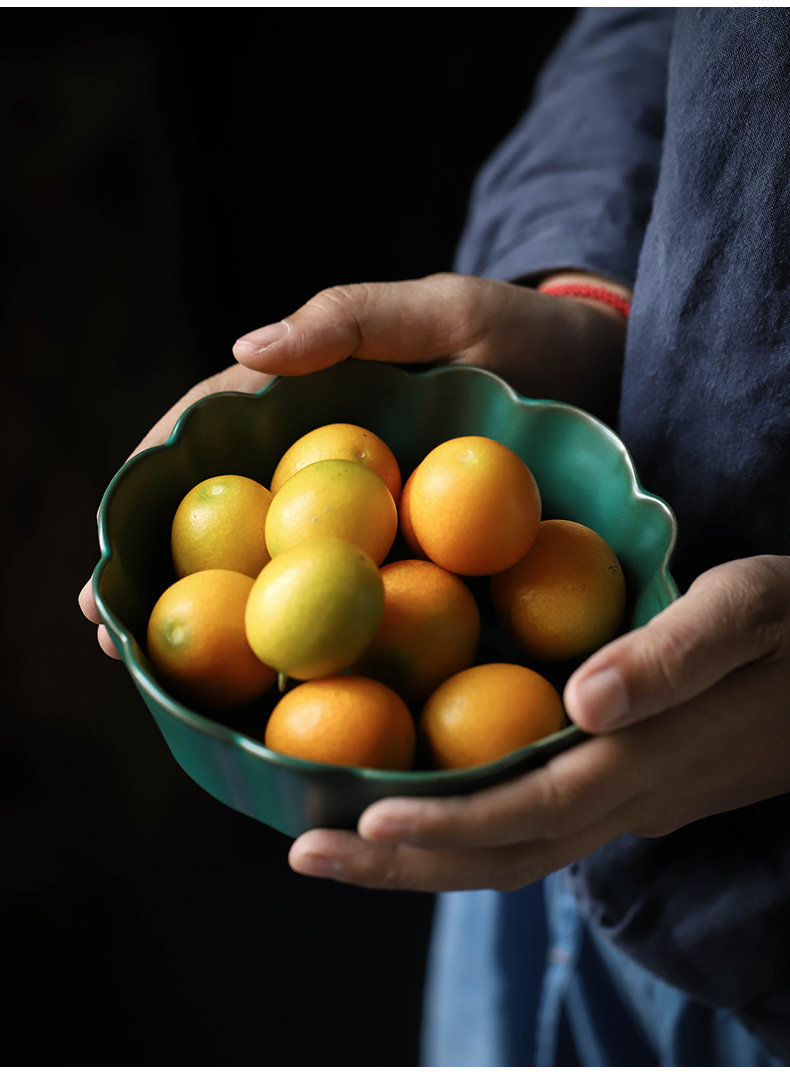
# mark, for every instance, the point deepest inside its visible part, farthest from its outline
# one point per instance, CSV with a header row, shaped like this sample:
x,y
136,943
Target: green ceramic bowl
x,y
583,471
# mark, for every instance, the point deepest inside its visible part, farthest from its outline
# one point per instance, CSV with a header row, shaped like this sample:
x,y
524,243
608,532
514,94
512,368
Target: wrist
x,y
610,297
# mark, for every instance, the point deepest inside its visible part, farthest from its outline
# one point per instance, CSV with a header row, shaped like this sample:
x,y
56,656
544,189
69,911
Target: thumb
x,y
732,615
438,316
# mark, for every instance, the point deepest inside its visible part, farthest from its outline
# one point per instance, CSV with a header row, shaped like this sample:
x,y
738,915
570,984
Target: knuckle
x,y
560,804
382,874
345,297
769,592
477,818
667,663
387,879
472,308
523,864
445,279
512,872
346,302
754,593
664,657
462,286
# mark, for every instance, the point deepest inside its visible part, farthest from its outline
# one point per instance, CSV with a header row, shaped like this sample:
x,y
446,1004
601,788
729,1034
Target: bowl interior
x,y
583,471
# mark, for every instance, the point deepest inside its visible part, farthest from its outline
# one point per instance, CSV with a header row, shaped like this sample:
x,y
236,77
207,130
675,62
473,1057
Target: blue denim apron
x,y
520,979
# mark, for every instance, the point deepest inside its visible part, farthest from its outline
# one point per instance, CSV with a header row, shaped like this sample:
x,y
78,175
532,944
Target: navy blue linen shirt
x,y
656,152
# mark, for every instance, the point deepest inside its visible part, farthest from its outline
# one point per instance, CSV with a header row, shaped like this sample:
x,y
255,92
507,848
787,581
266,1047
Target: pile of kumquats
x,y
294,590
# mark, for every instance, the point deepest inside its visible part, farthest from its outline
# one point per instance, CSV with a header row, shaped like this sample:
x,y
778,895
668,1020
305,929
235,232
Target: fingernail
x,y
603,700
316,865
389,828
262,338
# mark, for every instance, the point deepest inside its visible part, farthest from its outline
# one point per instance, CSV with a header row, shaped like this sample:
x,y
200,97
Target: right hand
x,y
544,346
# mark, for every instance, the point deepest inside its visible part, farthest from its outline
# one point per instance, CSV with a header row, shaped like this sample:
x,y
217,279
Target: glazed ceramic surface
x,y
583,471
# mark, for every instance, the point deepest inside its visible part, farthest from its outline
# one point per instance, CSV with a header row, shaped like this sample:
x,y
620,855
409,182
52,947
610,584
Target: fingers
x,y
408,321
444,316
725,749
106,643
544,346
87,603
720,752
89,609
731,616
570,792
715,666
346,857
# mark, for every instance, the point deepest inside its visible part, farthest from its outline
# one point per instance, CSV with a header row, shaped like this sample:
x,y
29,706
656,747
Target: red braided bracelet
x,y
585,290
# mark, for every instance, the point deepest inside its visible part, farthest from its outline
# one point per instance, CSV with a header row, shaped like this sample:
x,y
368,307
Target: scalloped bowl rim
x,y
205,724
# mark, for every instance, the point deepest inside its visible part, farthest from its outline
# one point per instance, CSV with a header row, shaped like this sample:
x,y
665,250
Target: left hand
x,y
690,716
233,379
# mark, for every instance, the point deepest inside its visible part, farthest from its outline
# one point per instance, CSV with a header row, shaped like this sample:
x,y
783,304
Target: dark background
x,y
172,179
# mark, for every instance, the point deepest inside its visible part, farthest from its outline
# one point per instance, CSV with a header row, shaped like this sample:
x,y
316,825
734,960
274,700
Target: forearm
x,y
572,186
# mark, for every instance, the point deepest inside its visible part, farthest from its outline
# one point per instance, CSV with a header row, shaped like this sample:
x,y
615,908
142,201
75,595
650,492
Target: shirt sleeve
x,y
572,185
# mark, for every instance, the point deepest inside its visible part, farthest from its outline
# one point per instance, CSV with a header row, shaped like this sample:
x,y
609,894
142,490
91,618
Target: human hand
x,y
545,346
689,716
233,379
525,336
